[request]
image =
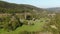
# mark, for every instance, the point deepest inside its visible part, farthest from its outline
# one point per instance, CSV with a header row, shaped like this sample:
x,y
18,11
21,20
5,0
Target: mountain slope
x,y
11,7
55,9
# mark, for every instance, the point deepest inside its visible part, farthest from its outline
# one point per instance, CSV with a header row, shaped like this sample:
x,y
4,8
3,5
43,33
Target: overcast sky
x,y
38,3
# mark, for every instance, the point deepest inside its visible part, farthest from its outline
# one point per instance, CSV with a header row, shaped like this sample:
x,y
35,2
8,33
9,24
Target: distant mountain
x,y
6,7
17,8
55,9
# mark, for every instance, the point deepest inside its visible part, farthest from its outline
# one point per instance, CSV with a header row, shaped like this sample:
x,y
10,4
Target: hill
x,y
28,19
55,9
17,8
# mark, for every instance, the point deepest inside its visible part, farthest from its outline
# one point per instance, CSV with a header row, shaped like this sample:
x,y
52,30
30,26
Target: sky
x,y
37,3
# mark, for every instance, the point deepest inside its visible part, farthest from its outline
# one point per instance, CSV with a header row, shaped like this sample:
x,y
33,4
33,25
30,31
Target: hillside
x,y
55,9
17,8
28,19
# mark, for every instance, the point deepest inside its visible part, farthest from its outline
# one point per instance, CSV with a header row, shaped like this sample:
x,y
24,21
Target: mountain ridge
x,y
18,7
